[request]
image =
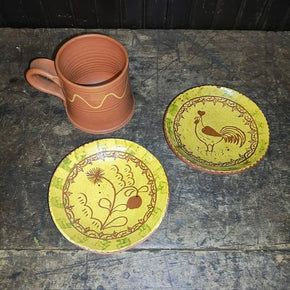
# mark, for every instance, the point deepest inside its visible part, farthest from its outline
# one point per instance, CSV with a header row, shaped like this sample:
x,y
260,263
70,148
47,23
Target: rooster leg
x,y
210,147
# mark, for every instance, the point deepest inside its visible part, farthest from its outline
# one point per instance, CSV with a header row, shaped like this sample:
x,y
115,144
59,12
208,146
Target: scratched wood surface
x,y
220,232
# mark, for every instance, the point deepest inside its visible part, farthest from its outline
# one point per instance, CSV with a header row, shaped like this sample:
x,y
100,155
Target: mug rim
x,y
91,35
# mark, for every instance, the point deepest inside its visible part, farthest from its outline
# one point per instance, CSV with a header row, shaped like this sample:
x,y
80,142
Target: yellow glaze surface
x,y
216,130
108,195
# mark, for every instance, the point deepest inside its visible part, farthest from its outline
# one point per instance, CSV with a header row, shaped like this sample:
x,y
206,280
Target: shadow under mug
x,y
91,76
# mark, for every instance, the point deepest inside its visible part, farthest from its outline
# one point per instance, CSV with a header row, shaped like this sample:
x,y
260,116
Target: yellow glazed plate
x,y
216,130
108,195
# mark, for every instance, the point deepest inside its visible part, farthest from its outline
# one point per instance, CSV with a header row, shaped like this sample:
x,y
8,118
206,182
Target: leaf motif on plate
x,y
117,222
120,208
105,203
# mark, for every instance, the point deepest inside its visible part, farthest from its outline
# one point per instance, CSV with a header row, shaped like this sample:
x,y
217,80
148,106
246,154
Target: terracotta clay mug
x,y
91,76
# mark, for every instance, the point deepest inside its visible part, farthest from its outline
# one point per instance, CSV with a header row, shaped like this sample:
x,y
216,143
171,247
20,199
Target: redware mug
x,y
91,76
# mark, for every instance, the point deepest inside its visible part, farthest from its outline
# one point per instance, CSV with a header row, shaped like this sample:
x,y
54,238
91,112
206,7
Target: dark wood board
x,y
84,13
225,14
202,14
59,13
275,15
133,14
250,14
178,13
155,13
13,13
137,14
109,13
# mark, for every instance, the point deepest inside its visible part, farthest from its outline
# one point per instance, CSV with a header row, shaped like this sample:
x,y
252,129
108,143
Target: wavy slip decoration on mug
x,y
216,130
108,195
90,75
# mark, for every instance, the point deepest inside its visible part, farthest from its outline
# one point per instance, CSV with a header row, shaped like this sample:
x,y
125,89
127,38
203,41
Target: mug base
x,y
104,131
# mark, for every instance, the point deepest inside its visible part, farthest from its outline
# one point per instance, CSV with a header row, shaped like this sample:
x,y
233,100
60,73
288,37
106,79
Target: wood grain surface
x,y
220,232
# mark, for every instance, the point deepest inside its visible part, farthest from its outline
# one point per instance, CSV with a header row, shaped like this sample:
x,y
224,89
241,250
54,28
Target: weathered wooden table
x,y
220,232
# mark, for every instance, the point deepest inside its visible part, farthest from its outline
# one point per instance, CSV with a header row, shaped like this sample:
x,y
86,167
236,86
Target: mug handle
x,y
42,75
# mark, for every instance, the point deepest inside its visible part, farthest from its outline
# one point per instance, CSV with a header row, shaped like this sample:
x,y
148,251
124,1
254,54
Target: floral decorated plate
x,y
108,195
216,130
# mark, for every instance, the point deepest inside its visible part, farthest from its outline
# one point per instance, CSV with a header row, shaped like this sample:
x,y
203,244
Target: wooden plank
x,y
133,14
178,13
108,13
84,13
286,21
225,14
155,13
36,13
250,14
144,270
275,14
2,20
59,13
202,14
198,14
24,13
13,13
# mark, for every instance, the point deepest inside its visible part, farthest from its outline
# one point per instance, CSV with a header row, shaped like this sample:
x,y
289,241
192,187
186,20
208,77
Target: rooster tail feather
x,y
233,135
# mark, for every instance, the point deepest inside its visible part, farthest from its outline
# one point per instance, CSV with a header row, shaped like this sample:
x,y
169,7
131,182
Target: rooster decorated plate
x,y
108,195
216,130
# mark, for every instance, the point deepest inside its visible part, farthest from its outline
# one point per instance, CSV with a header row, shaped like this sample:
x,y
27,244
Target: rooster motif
x,y
210,137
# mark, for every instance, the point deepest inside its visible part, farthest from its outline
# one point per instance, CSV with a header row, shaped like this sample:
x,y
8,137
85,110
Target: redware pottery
x,y
108,195
90,75
216,130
